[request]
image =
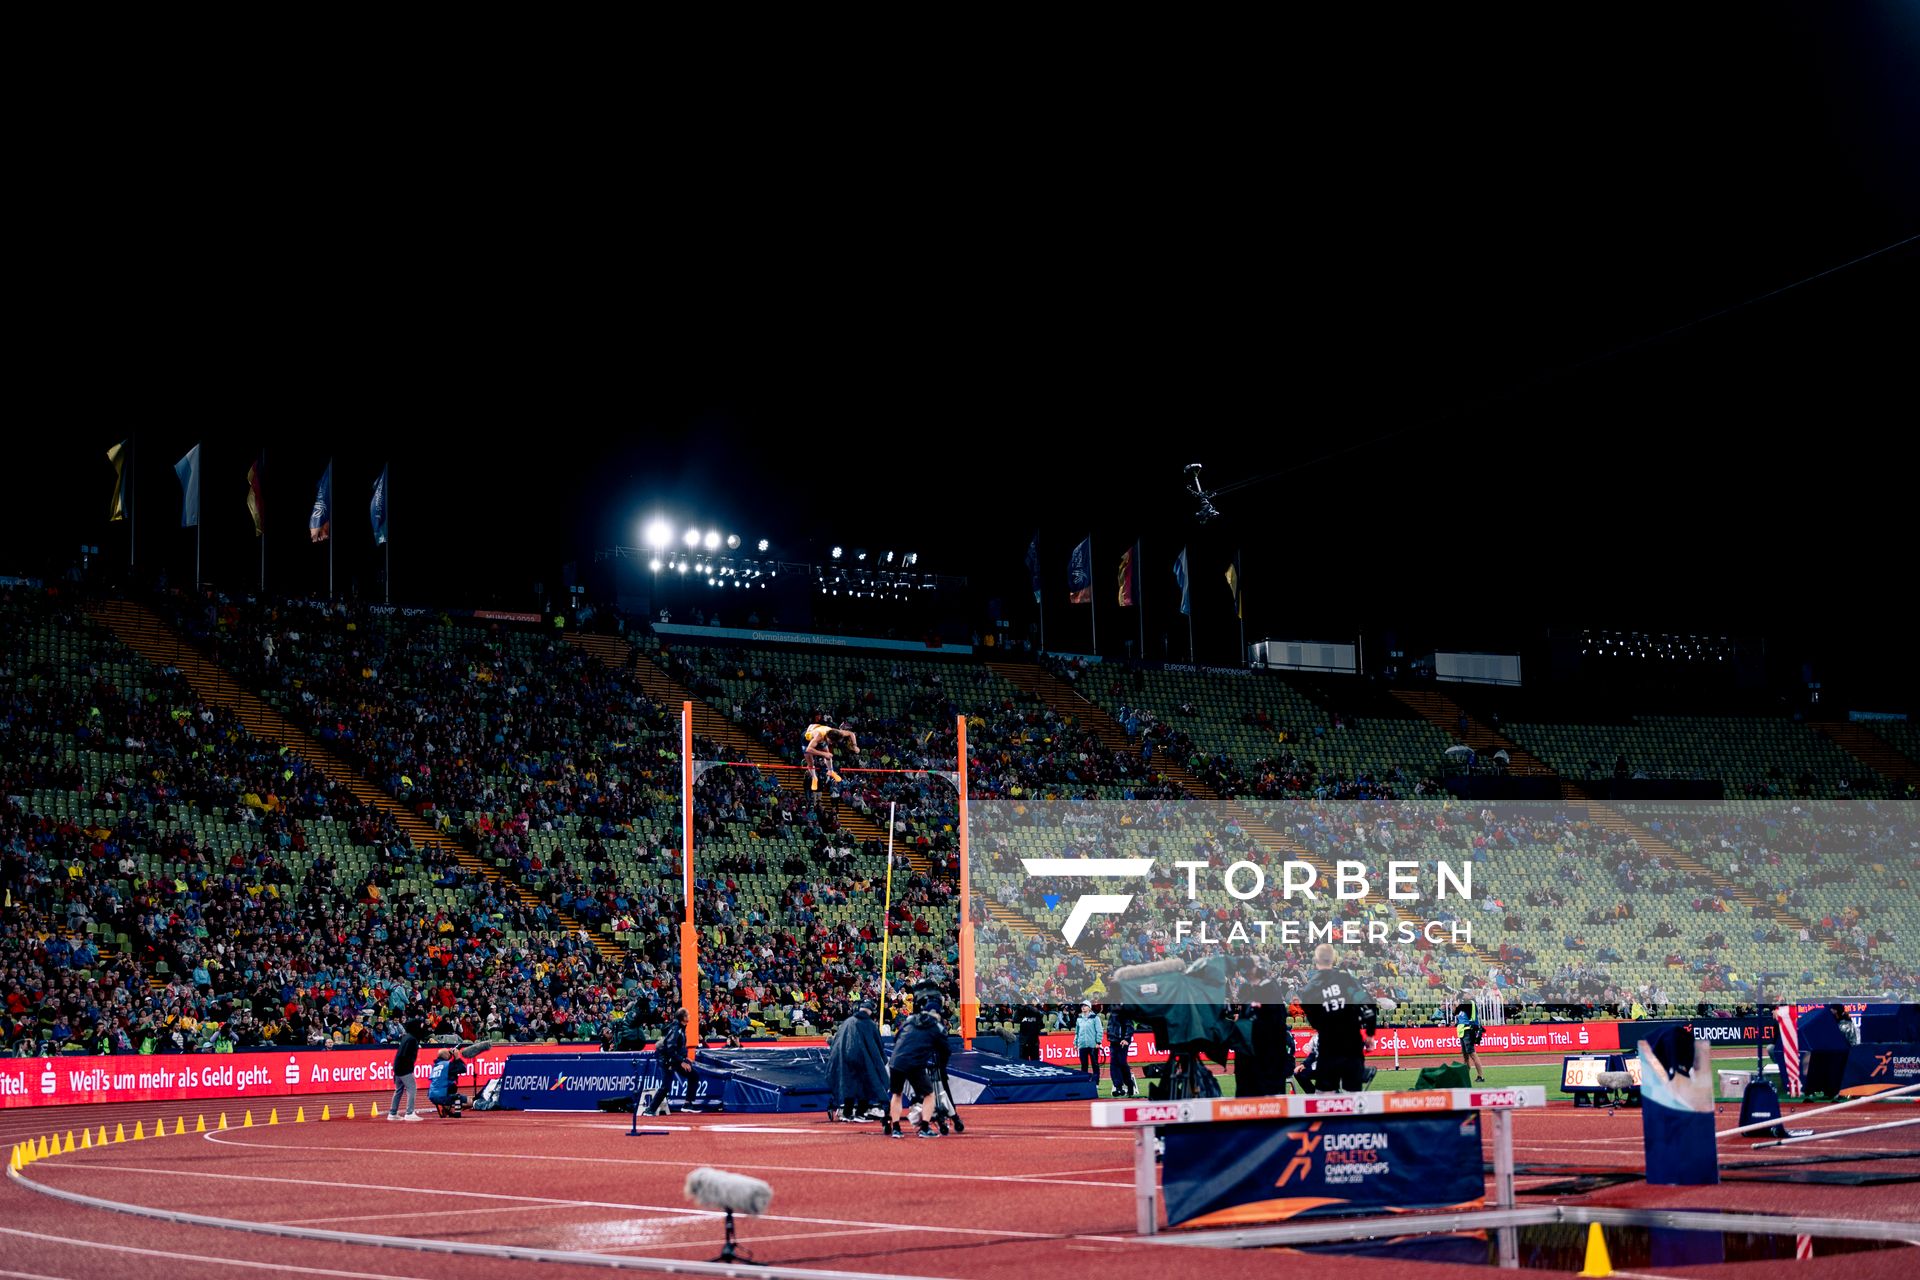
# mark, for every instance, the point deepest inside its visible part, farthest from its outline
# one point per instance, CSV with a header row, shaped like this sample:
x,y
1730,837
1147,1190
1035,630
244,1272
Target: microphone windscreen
x,y
718,1189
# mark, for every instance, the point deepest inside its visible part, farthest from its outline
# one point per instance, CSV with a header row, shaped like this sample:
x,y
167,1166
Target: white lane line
x,y
678,1210
756,1240
207,1257
228,1140
418,1213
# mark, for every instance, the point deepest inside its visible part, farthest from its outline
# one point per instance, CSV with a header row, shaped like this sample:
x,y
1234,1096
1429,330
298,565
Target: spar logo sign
x,y
1339,1104
1494,1098
1088,905
1165,1113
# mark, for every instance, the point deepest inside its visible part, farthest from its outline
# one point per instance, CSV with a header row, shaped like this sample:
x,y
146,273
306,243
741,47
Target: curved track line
x,y
680,1212
421,1245
199,1257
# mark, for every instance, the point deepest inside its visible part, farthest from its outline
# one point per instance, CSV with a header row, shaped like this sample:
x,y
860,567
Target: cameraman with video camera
x,y
1341,1012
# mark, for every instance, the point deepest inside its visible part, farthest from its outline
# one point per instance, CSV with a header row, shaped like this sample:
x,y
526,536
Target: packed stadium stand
x,y
293,822
174,881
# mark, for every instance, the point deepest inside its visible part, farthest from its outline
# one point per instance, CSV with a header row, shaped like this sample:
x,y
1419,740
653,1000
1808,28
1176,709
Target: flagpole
x,y
1140,592
199,527
1240,603
1093,596
329,530
133,508
263,521
386,480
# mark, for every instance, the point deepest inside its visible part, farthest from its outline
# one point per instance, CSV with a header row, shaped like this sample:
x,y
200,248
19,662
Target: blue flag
x,y
320,523
1180,576
1033,565
188,469
1080,573
379,508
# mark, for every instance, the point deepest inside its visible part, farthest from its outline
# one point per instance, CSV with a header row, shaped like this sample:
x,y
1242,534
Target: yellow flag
x,y
1233,585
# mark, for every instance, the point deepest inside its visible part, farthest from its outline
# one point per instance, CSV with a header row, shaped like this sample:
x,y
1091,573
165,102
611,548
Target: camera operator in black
x,y
919,1050
1340,1010
674,1060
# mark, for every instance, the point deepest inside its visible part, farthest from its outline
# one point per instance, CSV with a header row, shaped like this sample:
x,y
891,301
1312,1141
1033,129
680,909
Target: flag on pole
x,y
1789,1047
1127,595
188,469
1233,585
1080,573
1033,565
1180,576
256,502
379,508
320,523
122,501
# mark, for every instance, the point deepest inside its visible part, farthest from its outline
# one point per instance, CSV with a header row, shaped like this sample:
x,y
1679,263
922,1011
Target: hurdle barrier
x,y
1146,1119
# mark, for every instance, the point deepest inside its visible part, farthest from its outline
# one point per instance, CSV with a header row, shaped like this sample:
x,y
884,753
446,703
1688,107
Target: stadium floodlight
x,y
713,540
659,534
733,542
691,538
654,564
888,557
763,544
859,555
838,552
682,566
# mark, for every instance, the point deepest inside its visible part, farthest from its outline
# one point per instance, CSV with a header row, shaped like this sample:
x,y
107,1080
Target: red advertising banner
x,y
1413,1042
179,1077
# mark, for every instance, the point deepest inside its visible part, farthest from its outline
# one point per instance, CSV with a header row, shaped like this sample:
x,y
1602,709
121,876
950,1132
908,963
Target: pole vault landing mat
x,y
760,1081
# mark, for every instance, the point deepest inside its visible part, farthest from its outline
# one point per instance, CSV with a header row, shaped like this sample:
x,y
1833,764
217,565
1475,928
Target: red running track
x,y
1029,1190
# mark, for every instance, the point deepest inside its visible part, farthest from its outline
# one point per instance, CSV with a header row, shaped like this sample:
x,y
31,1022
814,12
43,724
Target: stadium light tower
x,y
692,539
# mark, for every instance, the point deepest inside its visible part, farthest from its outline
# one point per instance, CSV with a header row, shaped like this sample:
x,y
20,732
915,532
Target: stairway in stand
x,y
1444,714
143,631
662,688
1612,820
1870,749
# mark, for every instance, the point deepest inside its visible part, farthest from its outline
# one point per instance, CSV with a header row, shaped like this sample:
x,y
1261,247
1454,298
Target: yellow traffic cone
x,y
326,1112
67,1150
246,1121
199,1124
119,1132
13,1161
179,1126
86,1139
139,1134
223,1123
273,1116
349,1111
373,1111
1598,1263
103,1136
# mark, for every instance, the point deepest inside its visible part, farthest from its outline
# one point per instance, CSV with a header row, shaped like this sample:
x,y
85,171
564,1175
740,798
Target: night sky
x,y
1405,269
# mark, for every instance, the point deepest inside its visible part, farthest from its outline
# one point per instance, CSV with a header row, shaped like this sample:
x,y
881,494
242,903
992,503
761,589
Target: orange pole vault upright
x,y
689,934
969,995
